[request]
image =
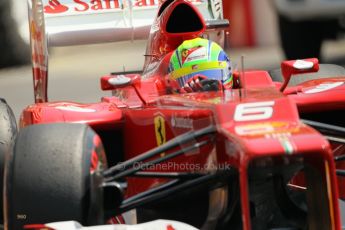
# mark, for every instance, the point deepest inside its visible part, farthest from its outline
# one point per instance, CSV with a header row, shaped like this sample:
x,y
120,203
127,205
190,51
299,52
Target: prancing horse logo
x,y
159,123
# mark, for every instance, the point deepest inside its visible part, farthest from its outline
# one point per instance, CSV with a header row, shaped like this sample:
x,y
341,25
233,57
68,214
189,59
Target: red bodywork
x,y
255,122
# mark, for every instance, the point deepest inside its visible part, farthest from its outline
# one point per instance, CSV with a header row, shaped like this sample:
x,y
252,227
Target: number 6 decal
x,y
254,111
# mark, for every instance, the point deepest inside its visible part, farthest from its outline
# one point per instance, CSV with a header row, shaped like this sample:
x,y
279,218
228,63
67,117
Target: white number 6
x,y
254,111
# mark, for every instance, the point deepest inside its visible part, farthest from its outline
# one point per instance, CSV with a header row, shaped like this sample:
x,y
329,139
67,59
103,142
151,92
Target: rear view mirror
x,y
114,81
293,67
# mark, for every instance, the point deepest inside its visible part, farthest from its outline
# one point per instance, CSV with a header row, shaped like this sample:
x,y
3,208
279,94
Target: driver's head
x,y
200,61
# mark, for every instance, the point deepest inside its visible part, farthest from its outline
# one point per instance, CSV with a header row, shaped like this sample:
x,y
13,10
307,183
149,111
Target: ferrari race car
x,y
267,154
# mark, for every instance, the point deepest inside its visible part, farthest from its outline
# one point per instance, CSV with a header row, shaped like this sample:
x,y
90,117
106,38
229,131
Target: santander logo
x,y
55,7
59,7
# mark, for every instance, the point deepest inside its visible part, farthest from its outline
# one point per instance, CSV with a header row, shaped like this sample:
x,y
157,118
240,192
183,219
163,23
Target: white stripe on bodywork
x,y
324,87
154,225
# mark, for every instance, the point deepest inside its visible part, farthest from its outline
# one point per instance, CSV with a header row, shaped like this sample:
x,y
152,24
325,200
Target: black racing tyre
x,y
303,39
54,175
8,132
325,71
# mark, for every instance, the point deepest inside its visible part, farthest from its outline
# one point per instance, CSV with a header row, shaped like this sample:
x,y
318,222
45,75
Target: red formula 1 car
x,y
233,159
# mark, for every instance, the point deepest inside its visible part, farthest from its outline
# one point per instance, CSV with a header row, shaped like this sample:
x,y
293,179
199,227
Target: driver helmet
x,y
199,57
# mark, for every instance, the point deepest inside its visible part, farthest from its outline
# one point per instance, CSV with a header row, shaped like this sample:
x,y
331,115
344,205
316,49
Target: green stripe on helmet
x,y
186,45
212,52
194,53
215,51
175,62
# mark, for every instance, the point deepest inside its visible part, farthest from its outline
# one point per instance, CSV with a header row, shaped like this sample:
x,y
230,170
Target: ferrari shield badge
x,y
159,123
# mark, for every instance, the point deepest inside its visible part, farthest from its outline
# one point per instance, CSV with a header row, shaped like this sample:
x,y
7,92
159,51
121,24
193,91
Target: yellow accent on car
x,y
198,68
159,123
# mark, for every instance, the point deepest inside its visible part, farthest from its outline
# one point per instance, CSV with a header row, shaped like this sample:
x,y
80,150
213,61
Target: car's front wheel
x,y
53,175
